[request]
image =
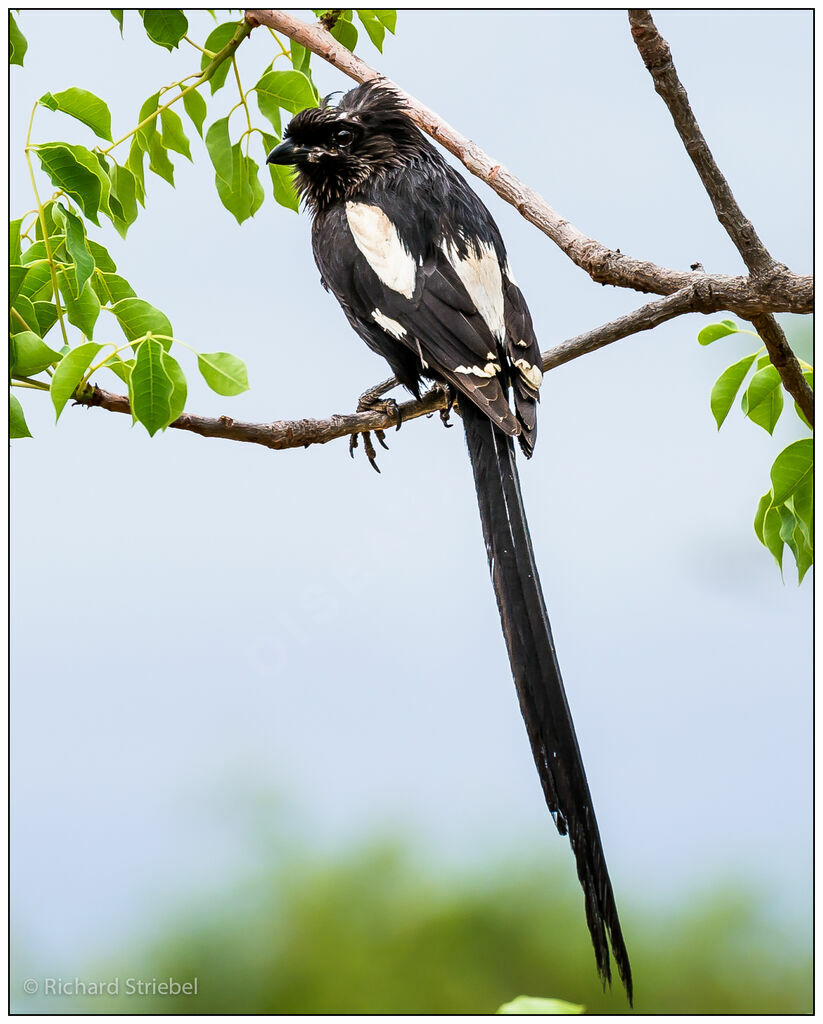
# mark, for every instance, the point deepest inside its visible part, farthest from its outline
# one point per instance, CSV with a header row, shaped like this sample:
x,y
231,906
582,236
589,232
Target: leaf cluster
x,y
61,279
784,515
66,278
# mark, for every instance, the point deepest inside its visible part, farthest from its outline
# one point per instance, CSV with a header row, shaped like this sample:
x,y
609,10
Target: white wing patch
x,y
481,277
509,275
489,370
376,237
390,326
533,374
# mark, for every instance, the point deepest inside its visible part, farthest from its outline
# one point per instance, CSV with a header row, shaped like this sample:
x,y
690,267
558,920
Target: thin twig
x,y
657,57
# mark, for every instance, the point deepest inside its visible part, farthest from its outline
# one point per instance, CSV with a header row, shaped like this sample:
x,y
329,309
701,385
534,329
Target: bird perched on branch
x,y
419,267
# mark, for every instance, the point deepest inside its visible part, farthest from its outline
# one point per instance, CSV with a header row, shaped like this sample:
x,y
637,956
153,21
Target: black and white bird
x,y
419,267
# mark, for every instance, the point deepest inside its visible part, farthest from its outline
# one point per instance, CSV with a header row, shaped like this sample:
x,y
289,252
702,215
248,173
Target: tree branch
x,y
657,57
602,264
301,433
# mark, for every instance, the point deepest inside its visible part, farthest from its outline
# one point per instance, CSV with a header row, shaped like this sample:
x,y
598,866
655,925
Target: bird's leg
x,y
451,398
373,400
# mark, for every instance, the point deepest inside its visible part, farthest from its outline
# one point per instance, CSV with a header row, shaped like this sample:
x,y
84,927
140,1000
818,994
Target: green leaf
x,y
118,17
533,1005
715,331
218,145
726,387
17,275
70,372
374,27
269,108
84,106
120,367
804,554
134,163
138,318
763,399
82,309
809,376
772,524
14,240
124,191
763,507
300,57
48,217
37,279
24,315
30,355
795,540
345,33
36,253
290,90
101,256
144,134
111,288
76,170
173,135
389,19
77,248
150,387
282,181
179,388
215,42
17,43
164,27
792,468
46,316
787,526
17,421
244,196
224,373
195,107
802,500
282,178
159,160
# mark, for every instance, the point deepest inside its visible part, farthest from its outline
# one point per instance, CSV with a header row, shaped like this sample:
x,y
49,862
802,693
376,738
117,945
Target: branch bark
x,y
657,57
603,265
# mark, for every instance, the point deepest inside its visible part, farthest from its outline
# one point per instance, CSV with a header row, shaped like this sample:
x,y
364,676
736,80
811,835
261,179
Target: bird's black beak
x,y
285,153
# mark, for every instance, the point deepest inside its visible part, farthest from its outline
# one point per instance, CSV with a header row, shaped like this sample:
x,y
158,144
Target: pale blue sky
x,y
200,625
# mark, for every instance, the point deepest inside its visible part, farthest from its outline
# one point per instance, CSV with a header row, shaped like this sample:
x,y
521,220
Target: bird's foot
x,y
373,401
368,446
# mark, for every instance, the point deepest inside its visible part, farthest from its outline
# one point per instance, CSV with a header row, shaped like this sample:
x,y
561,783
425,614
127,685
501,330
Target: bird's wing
x,y
447,306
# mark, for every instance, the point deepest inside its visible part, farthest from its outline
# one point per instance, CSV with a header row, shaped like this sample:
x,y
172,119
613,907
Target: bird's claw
x,y
373,401
368,446
450,394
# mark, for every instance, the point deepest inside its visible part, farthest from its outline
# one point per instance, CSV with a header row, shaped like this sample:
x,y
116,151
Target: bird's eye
x,y
343,137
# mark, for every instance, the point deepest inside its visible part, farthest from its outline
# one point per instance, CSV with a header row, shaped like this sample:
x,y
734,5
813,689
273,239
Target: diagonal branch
x,y
282,434
657,57
603,265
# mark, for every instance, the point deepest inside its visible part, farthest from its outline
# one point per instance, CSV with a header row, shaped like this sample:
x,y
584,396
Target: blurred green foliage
x,y
374,931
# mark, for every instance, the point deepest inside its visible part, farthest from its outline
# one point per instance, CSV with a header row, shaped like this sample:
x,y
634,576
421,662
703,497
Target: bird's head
x,y
336,149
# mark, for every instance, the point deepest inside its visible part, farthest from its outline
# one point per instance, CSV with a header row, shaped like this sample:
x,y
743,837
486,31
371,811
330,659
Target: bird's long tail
x,y
537,677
